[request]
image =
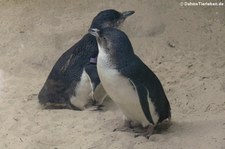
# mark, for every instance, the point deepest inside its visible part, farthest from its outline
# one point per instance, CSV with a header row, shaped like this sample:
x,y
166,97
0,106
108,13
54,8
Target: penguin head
x,y
112,41
109,18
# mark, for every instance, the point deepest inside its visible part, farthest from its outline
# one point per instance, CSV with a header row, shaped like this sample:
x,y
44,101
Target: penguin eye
x,y
103,38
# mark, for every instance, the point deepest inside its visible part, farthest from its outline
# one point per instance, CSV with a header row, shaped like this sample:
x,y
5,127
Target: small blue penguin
x,y
129,82
74,76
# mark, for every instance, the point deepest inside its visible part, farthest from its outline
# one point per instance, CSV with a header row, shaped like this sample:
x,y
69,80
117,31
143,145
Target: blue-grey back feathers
x,y
118,46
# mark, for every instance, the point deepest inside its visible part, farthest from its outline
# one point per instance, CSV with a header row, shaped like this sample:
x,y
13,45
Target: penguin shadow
x,y
180,127
31,102
190,128
108,105
138,131
161,128
32,97
165,130
48,106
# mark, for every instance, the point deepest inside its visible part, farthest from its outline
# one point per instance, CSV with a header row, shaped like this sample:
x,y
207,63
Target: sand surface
x,y
184,46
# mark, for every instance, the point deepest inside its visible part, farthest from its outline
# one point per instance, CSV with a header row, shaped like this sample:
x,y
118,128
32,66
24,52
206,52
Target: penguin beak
x,y
94,31
127,13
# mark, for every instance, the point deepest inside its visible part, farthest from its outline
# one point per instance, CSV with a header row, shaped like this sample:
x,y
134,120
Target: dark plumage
x,y
65,77
118,62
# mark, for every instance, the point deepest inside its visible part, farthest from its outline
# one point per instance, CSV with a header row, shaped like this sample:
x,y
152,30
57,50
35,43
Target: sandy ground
x,y
184,46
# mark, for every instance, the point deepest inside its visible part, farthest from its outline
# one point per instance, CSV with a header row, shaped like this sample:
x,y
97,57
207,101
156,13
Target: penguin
x,y
129,82
74,75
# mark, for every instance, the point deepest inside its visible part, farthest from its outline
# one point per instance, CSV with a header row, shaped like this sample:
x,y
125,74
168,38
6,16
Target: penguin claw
x,y
146,133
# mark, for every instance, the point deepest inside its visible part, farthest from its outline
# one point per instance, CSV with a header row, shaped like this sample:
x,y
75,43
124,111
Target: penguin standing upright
x,y
129,82
68,84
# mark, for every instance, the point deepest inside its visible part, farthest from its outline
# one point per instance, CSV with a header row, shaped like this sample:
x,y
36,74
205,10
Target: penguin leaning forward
x,y
74,76
129,82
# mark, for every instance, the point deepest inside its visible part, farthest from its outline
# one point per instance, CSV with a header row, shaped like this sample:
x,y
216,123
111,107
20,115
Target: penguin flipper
x,y
69,67
143,98
138,71
92,73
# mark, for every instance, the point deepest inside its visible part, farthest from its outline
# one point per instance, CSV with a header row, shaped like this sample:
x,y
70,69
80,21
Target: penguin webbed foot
x,y
146,132
139,129
97,108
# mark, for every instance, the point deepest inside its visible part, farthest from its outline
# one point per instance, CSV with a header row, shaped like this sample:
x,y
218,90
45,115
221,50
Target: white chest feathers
x,y
83,91
122,92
